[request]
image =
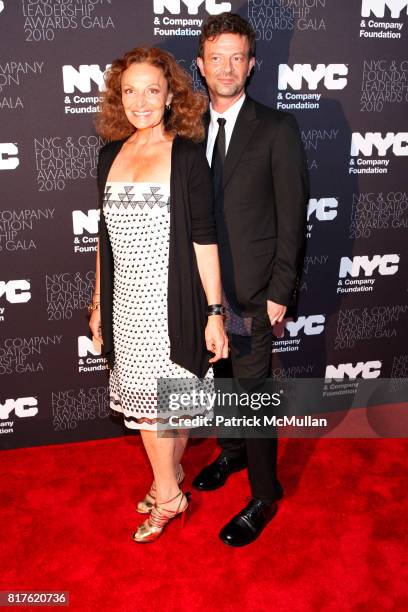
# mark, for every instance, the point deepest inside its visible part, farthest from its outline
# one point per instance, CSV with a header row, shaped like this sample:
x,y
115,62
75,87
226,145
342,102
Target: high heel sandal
x,y
146,504
159,517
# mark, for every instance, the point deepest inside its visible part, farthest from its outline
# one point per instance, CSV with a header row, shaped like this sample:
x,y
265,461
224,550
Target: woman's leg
x,y
164,453
180,443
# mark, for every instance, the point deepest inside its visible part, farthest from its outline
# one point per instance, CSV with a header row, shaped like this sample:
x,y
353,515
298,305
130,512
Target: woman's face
x,y
145,93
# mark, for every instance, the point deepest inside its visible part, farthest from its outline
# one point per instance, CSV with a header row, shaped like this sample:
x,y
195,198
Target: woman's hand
x,y
95,324
215,338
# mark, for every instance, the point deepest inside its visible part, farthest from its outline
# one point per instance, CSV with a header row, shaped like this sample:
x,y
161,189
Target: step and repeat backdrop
x,y
340,67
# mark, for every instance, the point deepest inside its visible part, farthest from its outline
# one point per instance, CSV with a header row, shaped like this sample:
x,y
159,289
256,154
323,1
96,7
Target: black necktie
x,y
218,156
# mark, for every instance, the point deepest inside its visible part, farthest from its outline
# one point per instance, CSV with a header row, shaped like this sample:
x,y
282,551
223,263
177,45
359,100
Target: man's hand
x,y
276,312
216,338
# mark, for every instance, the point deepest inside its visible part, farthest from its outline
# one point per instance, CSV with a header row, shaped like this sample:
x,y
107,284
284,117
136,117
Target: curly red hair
x,y
187,107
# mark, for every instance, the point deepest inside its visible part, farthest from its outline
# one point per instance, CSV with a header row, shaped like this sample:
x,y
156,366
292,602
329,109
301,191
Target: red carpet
x,y
338,542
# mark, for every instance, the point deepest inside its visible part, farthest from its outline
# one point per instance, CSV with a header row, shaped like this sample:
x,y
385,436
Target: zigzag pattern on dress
x,y
126,198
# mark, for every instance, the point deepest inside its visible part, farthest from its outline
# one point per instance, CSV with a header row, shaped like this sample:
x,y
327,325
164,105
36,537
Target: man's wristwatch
x,y
215,309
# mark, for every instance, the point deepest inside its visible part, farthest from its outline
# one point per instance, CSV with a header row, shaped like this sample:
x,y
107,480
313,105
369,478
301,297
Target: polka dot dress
x,y
137,216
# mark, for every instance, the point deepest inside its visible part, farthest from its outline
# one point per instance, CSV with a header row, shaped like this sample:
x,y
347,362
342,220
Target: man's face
x,y
226,65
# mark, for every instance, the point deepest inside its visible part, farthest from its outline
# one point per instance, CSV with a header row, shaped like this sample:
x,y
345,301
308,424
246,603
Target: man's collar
x,y
231,113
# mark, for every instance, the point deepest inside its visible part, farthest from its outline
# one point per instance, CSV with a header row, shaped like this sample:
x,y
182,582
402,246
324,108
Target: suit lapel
x,y
243,131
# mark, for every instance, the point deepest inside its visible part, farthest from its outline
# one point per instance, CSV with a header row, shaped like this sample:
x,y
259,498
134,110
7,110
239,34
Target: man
x,y
261,187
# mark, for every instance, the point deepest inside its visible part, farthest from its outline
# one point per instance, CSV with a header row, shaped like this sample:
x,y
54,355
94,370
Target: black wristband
x,y
215,309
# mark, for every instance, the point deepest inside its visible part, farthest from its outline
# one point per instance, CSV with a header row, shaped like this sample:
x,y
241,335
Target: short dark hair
x,y
226,23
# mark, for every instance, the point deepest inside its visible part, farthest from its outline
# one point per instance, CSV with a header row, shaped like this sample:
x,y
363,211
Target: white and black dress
x,y
137,217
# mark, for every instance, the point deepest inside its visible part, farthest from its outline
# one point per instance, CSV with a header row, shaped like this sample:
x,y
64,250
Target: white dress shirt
x,y
230,116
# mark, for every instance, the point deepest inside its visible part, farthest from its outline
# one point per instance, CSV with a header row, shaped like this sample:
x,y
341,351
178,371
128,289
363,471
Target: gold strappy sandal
x,y
159,517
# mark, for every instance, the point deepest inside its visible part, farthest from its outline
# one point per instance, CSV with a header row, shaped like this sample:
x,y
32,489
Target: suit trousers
x,y
250,359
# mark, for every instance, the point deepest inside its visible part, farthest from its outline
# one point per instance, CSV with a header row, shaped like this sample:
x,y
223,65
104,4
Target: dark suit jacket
x,y
261,212
191,220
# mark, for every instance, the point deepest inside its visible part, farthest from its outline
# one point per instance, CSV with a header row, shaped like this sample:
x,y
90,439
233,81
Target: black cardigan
x,y
191,220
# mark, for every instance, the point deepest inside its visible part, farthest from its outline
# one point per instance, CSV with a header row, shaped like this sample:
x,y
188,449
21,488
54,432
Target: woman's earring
x,y
167,107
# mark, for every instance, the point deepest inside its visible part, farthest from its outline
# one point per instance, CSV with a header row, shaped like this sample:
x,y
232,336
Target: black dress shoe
x,y
248,524
216,474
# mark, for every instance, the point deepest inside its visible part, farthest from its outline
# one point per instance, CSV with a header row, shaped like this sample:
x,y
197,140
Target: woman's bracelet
x,y
93,306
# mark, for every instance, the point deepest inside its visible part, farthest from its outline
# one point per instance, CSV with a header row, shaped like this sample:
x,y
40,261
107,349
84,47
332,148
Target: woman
x,y
157,269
